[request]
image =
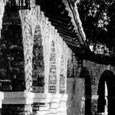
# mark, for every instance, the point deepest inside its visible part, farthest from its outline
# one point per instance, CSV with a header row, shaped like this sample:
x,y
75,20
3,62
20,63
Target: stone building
x,y
45,65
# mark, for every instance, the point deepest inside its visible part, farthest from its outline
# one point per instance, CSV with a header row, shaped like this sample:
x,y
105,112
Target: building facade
x,y
40,72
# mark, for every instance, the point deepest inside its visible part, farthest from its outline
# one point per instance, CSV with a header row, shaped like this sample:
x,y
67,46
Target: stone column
x,y
52,81
63,79
40,64
63,69
47,102
26,19
21,102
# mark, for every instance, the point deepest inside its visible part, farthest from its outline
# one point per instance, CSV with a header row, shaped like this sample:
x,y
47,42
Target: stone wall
x,y
59,82
44,77
75,102
95,71
82,89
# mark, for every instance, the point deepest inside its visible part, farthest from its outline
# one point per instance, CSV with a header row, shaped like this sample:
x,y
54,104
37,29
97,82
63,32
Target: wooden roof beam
x,y
73,13
62,30
67,34
69,39
64,24
57,17
67,26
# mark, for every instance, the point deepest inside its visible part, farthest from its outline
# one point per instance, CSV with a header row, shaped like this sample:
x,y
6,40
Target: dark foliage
x,y
98,19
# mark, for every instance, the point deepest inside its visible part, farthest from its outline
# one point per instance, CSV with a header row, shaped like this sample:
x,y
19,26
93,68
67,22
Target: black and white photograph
x,y
57,57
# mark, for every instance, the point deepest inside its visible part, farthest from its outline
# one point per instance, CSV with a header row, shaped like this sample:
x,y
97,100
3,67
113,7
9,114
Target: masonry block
x,y
16,103
16,109
1,98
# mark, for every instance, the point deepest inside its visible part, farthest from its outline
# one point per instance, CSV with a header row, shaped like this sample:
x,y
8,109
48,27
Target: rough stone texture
x,y
51,42
16,110
47,33
28,47
91,73
62,74
52,73
75,103
41,109
51,47
38,62
95,71
11,48
46,60
59,48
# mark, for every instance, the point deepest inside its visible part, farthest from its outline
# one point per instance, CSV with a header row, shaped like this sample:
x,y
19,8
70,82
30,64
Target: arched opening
x,y
87,93
11,52
106,93
38,62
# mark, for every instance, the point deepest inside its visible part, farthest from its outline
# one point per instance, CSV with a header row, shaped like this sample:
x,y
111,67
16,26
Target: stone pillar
x,y
63,79
53,75
21,102
56,96
63,69
47,102
50,100
52,72
26,19
41,45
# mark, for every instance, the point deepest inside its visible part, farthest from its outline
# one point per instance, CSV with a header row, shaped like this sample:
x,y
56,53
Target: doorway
x,y
106,93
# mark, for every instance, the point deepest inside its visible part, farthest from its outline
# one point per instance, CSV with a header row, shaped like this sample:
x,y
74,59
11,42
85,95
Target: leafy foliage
x,y
98,19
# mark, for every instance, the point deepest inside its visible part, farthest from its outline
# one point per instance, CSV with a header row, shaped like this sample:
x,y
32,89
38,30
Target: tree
x,y
98,19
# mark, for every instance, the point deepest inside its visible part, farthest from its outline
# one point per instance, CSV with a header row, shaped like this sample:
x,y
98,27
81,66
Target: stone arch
x,y
38,61
11,51
87,93
108,78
